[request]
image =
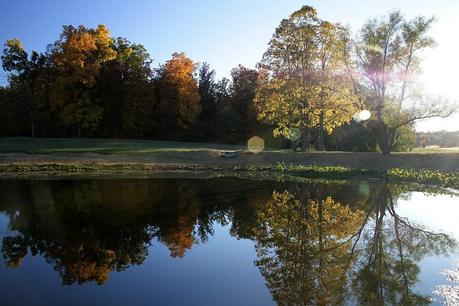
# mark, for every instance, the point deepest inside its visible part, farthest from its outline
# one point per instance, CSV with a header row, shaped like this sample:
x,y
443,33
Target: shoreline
x,y
434,169
445,162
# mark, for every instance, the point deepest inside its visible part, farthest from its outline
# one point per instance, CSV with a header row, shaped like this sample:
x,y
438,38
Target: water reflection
x,y
388,250
315,243
449,292
303,248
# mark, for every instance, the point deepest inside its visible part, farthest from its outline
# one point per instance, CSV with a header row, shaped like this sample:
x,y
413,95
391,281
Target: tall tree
x,y
237,113
26,77
125,92
77,56
388,60
334,102
207,92
179,100
13,119
303,85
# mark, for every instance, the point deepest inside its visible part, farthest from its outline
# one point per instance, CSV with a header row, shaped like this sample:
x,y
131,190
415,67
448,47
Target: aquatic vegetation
x,y
280,169
447,179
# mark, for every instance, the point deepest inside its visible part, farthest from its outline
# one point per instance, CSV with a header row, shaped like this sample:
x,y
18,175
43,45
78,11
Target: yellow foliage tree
x,y
77,57
303,84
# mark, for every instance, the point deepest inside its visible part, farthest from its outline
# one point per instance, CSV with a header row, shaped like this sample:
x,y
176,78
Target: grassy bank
x,y
51,157
102,146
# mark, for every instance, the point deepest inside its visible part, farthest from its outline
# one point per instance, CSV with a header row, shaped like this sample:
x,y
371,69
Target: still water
x,y
226,241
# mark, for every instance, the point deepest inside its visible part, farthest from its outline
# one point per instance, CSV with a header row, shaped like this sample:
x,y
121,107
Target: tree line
x,y
88,84
444,139
308,89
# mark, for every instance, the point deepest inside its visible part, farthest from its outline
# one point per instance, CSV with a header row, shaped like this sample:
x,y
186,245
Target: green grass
x,y
126,146
104,146
430,150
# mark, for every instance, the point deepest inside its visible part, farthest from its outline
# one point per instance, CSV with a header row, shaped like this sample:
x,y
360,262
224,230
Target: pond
x,y
226,241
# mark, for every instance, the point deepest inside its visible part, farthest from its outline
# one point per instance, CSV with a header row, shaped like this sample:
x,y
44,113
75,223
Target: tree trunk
x,y
320,133
295,145
32,126
383,137
304,139
32,119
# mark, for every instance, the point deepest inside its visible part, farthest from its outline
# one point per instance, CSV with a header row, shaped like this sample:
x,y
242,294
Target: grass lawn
x,y
107,146
188,156
111,146
435,149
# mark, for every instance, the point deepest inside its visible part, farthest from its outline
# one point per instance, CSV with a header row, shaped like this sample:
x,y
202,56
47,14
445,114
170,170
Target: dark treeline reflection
x,y
315,243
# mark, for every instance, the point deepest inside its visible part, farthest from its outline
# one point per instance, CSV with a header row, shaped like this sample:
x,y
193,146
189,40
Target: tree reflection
x,y
85,230
67,234
325,253
302,249
88,228
388,249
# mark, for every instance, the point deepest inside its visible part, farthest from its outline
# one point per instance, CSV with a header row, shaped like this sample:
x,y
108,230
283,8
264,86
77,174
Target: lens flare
x,y
256,144
362,116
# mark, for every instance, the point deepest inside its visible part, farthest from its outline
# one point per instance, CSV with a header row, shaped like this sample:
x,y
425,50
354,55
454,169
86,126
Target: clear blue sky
x,y
223,33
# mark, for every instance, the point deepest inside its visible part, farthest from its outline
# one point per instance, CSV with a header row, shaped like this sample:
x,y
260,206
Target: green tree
x,y
237,120
388,59
207,92
354,137
26,78
125,92
13,119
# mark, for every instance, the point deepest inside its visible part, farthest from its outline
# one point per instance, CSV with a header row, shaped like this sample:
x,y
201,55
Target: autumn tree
x,y
77,56
26,78
178,97
303,85
334,103
388,58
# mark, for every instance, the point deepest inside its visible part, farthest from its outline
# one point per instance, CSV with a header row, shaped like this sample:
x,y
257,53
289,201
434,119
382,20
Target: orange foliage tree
x,y
179,100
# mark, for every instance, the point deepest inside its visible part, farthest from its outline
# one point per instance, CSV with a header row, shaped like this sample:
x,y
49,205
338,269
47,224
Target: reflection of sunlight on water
x,y
436,212
449,292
